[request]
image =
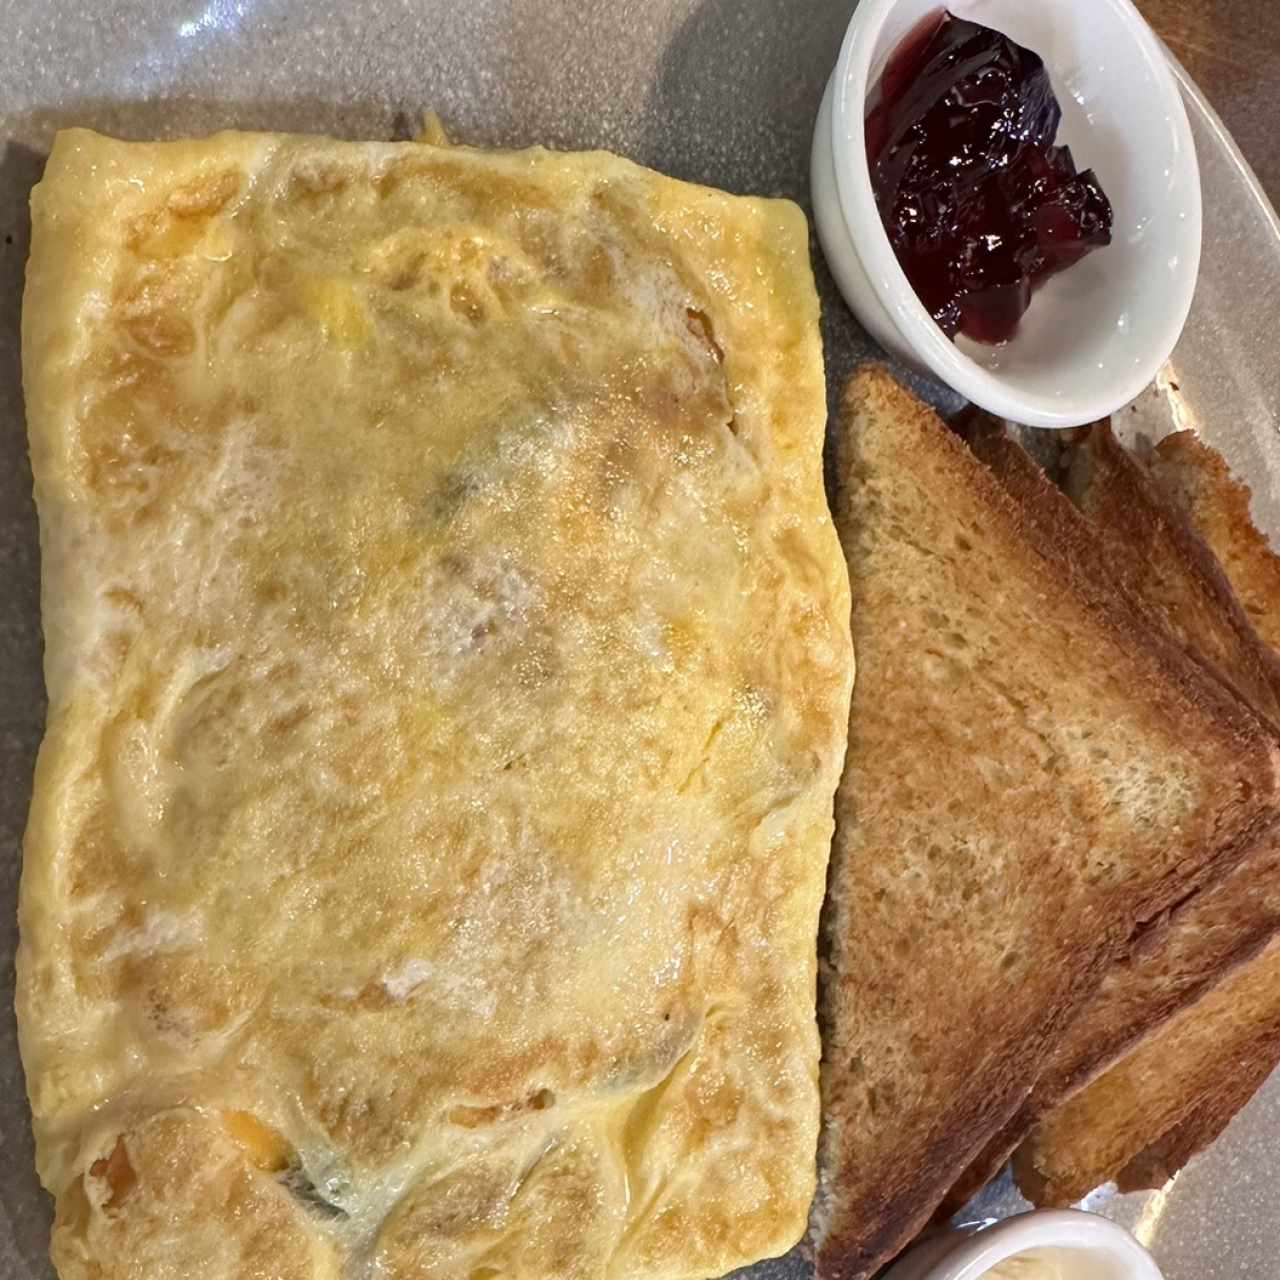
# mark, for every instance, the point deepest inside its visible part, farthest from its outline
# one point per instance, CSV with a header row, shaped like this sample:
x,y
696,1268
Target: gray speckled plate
x,y
720,91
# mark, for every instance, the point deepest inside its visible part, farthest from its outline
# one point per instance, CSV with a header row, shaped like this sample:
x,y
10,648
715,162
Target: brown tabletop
x,y
1232,50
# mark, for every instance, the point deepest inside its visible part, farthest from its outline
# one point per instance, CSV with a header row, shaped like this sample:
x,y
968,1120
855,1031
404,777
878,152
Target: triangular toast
x,y
1037,770
1184,1083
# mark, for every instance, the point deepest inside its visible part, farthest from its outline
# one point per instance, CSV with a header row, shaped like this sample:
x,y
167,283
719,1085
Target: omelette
x,y
448,658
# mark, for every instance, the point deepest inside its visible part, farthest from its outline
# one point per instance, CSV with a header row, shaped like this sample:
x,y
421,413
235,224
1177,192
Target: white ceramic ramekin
x,y
1078,1246
1096,334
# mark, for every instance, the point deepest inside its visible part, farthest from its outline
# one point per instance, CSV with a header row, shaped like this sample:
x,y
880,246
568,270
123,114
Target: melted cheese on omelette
x,y
448,663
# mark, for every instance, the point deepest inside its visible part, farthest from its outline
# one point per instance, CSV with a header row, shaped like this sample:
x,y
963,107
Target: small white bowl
x,y
1079,1246
1096,334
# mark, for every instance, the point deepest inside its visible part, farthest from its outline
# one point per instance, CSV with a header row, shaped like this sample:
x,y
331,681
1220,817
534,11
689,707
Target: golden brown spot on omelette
x,y
98,861
72,1210
310,181
479,1117
289,721
270,590
119,469
186,1166
599,274
204,196
115,648
371,1126
117,1173
466,304
125,599
699,324
265,1147
181,993
476,190
171,232
408,273
162,334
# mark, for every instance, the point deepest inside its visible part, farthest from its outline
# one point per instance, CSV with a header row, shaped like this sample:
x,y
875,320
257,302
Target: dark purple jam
x,y
980,206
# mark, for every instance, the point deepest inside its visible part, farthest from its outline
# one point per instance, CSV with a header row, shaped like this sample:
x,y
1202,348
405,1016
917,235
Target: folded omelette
x,y
448,664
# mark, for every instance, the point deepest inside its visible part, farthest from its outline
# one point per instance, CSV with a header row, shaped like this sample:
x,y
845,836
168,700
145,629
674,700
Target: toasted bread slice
x,y
1225,1042
1161,558
1165,565
1156,1163
1184,1083
1035,771
1245,1055
1195,1073
1231,924
1196,479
